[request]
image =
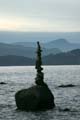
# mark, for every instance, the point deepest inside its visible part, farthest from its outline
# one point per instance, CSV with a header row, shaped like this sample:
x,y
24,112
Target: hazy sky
x,y
40,15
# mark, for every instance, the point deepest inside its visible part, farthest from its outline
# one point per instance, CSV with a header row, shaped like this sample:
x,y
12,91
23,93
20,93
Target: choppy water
x,y
23,77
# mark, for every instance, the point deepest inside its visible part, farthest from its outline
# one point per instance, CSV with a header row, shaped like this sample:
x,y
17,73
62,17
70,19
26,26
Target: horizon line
x,y
39,31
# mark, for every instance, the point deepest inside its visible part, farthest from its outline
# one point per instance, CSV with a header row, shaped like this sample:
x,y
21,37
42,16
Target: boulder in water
x,y
35,98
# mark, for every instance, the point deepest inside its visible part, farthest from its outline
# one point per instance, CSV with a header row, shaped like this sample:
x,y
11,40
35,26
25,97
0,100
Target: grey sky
x,y
40,15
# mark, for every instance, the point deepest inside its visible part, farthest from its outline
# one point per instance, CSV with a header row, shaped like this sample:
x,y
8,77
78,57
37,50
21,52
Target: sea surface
x,y
67,100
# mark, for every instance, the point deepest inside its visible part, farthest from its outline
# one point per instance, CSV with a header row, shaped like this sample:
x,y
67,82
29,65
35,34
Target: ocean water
x,y
18,78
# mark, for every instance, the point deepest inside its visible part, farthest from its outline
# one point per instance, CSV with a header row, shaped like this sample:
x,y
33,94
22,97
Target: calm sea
x,y
23,77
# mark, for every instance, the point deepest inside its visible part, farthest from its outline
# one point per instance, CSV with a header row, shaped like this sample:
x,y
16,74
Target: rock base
x,y
35,98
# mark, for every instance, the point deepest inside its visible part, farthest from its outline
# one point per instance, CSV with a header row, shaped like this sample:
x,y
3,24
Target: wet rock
x,y
35,98
69,85
3,83
66,109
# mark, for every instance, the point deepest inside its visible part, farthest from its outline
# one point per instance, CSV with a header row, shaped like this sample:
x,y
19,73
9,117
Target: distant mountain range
x,y
24,50
28,49
61,44
67,58
55,52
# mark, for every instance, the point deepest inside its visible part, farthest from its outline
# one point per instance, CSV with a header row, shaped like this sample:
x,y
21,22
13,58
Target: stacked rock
x,y
40,75
38,97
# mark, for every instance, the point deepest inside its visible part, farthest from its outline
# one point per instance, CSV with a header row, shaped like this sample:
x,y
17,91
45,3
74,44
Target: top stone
x,y
40,75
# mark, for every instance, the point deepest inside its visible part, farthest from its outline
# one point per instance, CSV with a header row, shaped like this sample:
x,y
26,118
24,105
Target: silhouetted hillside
x,y
12,60
68,58
18,50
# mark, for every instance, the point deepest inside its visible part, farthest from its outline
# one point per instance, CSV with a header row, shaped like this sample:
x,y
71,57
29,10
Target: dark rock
x,y
35,98
2,83
64,110
69,85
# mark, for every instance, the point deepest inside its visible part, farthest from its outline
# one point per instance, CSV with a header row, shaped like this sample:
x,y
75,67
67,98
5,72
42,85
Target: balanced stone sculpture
x,y
39,96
